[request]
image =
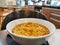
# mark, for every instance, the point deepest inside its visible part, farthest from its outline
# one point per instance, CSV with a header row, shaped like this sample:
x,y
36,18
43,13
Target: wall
x,y
7,2
3,2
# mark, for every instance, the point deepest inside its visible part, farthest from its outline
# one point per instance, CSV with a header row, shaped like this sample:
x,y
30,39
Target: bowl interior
x,y
13,23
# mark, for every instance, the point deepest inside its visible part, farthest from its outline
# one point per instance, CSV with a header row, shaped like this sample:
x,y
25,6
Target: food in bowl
x,y
30,29
30,40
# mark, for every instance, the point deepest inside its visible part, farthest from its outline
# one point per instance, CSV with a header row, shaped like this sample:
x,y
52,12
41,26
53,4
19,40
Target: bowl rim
x,y
30,37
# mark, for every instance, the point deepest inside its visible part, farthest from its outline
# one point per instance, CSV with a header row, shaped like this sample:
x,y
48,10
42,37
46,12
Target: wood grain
x,y
53,15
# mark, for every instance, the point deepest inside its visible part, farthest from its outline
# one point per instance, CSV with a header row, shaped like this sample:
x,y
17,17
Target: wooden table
x,y
55,40
14,7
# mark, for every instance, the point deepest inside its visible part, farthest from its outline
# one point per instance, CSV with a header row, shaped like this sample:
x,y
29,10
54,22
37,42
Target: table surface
x,y
12,6
53,40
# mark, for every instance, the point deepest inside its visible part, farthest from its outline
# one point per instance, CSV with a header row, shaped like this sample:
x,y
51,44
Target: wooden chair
x,y
53,15
1,12
46,12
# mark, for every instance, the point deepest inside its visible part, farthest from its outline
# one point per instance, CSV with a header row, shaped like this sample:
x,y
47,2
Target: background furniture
x,y
3,13
0,16
53,15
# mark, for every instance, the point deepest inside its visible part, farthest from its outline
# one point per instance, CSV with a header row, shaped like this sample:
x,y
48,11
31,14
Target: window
x,y
55,3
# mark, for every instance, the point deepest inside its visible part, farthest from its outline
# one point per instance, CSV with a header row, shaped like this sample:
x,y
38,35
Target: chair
x,y
53,15
46,11
1,13
21,14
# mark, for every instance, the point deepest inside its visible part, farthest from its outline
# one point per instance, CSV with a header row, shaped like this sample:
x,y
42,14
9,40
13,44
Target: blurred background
x,y
41,6
30,2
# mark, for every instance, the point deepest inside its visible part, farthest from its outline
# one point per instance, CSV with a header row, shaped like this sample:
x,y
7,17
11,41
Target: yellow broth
x,y
30,29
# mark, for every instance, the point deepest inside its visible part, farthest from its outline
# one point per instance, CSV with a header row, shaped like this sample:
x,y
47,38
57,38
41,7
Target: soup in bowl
x,y
30,31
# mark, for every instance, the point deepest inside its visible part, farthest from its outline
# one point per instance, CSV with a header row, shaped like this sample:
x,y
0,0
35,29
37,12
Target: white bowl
x,y
25,40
